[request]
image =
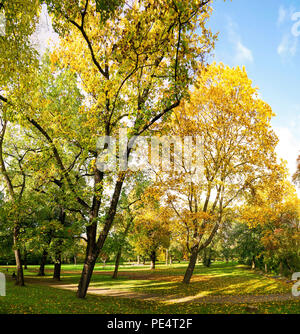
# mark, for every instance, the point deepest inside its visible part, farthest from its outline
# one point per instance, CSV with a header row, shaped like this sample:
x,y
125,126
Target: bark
x,y
57,271
167,257
266,268
191,266
89,261
197,248
118,258
57,262
138,260
153,260
253,263
87,271
43,263
281,268
25,259
93,248
58,251
207,257
57,266
20,274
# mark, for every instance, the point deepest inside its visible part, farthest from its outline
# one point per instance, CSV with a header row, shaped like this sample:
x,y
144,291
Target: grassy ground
x,y
220,279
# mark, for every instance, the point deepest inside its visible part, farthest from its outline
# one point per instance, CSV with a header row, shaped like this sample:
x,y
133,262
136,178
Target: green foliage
x,y
107,8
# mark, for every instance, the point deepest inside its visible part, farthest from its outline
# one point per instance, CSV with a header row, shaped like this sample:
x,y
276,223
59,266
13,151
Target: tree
x,y
248,244
128,205
281,237
122,64
225,241
17,55
296,176
14,156
151,230
237,153
6,235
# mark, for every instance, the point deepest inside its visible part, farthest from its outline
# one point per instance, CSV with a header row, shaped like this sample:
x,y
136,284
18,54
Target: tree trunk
x,y
207,257
43,263
94,247
266,268
75,259
58,249
191,266
20,274
167,257
281,268
87,271
118,258
57,266
25,259
253,263
138,260
153,259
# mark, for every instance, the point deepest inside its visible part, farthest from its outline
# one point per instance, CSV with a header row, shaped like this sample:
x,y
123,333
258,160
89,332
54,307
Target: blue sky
x,y
262,35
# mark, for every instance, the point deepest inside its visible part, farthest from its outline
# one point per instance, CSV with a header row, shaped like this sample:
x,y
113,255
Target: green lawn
x,y
220,279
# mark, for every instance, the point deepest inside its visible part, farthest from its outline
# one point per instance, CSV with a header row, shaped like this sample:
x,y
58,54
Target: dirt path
x,y
119,293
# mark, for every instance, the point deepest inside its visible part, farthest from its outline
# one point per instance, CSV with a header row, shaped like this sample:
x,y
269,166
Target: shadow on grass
x,y
220,279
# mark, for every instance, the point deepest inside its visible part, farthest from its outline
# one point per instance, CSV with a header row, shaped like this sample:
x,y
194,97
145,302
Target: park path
x,y
119,293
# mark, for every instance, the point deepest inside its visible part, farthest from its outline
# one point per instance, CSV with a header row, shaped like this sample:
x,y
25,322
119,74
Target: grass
x,y
220,279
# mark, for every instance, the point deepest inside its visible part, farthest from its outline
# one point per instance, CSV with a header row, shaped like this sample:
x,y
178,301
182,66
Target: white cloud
x,y
288,46
242,54
282,15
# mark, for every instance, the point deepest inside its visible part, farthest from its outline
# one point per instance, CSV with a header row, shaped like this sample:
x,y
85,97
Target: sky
x,y
264,35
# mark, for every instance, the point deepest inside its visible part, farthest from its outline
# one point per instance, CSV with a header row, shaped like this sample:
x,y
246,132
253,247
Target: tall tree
x,y
135,68
15,153
16,58
236,154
